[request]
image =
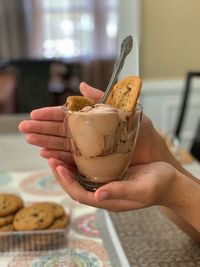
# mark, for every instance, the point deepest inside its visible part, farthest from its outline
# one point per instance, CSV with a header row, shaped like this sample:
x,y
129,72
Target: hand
x,y
146,185
46,129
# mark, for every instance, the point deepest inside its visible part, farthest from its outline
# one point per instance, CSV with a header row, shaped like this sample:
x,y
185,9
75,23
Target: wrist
x,y
163,153
160,151
173,196
184,198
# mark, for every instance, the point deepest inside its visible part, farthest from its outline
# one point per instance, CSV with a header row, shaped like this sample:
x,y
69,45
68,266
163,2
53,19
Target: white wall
x,y
161,101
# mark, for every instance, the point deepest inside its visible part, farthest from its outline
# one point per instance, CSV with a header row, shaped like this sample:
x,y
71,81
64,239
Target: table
x,y
97,238
23,171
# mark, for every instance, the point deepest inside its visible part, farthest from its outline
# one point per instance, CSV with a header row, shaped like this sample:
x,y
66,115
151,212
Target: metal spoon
x,y
126,47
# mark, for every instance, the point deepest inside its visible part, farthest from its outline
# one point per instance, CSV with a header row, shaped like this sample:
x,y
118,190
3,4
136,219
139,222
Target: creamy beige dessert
x,y
101,139
103,136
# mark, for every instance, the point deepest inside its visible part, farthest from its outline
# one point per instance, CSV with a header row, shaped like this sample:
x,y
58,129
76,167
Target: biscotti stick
x,y
76,103
125,93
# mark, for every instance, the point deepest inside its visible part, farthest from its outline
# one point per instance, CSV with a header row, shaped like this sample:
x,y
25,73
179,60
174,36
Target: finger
x,y
43,127
54,172
69,183
54,163
113,190
49,142
57,154
131,189
48,114
90,92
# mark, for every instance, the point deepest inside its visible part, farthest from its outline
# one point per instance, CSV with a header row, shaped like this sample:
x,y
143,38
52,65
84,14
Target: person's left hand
x,y
147,185
47,130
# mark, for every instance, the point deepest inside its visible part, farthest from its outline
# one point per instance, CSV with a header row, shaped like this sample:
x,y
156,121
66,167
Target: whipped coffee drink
x,y
102,140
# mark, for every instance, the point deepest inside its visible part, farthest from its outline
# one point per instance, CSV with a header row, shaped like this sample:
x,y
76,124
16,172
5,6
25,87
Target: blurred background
x,y
47,47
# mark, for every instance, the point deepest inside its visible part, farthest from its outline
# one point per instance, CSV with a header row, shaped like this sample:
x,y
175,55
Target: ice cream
x,y
102,138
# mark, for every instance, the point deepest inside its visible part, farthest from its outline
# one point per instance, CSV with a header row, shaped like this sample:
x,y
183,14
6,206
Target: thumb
x,y
90,92
114,190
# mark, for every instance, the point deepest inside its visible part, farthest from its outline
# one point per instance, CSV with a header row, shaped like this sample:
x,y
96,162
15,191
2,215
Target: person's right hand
x,y
146,185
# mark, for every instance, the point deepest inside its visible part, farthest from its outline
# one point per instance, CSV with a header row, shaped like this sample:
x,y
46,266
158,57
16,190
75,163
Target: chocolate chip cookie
x,y
7,228
6,220
33,218
9,204
57,209
60,223
76,103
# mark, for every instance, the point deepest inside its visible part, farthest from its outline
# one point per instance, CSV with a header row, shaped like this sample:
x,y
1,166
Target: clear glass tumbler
x,y
102,144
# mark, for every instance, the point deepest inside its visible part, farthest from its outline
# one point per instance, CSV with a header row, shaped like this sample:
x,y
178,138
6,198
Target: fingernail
x,y
103,195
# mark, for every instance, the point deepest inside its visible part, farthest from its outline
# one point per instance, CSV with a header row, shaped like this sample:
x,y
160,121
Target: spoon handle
x,y
126,47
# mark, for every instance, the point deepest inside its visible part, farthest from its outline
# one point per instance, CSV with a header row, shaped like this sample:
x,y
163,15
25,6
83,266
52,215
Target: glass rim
x,y
139,107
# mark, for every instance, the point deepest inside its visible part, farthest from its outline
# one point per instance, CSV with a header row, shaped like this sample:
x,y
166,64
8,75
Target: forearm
x,y
181,220
168,157
181,223
184,200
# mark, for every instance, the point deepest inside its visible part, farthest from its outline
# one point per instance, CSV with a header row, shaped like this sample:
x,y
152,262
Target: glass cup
x,y
102,144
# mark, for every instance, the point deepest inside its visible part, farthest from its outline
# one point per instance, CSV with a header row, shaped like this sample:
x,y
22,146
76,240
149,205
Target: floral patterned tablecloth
x,y
85,245
89,231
